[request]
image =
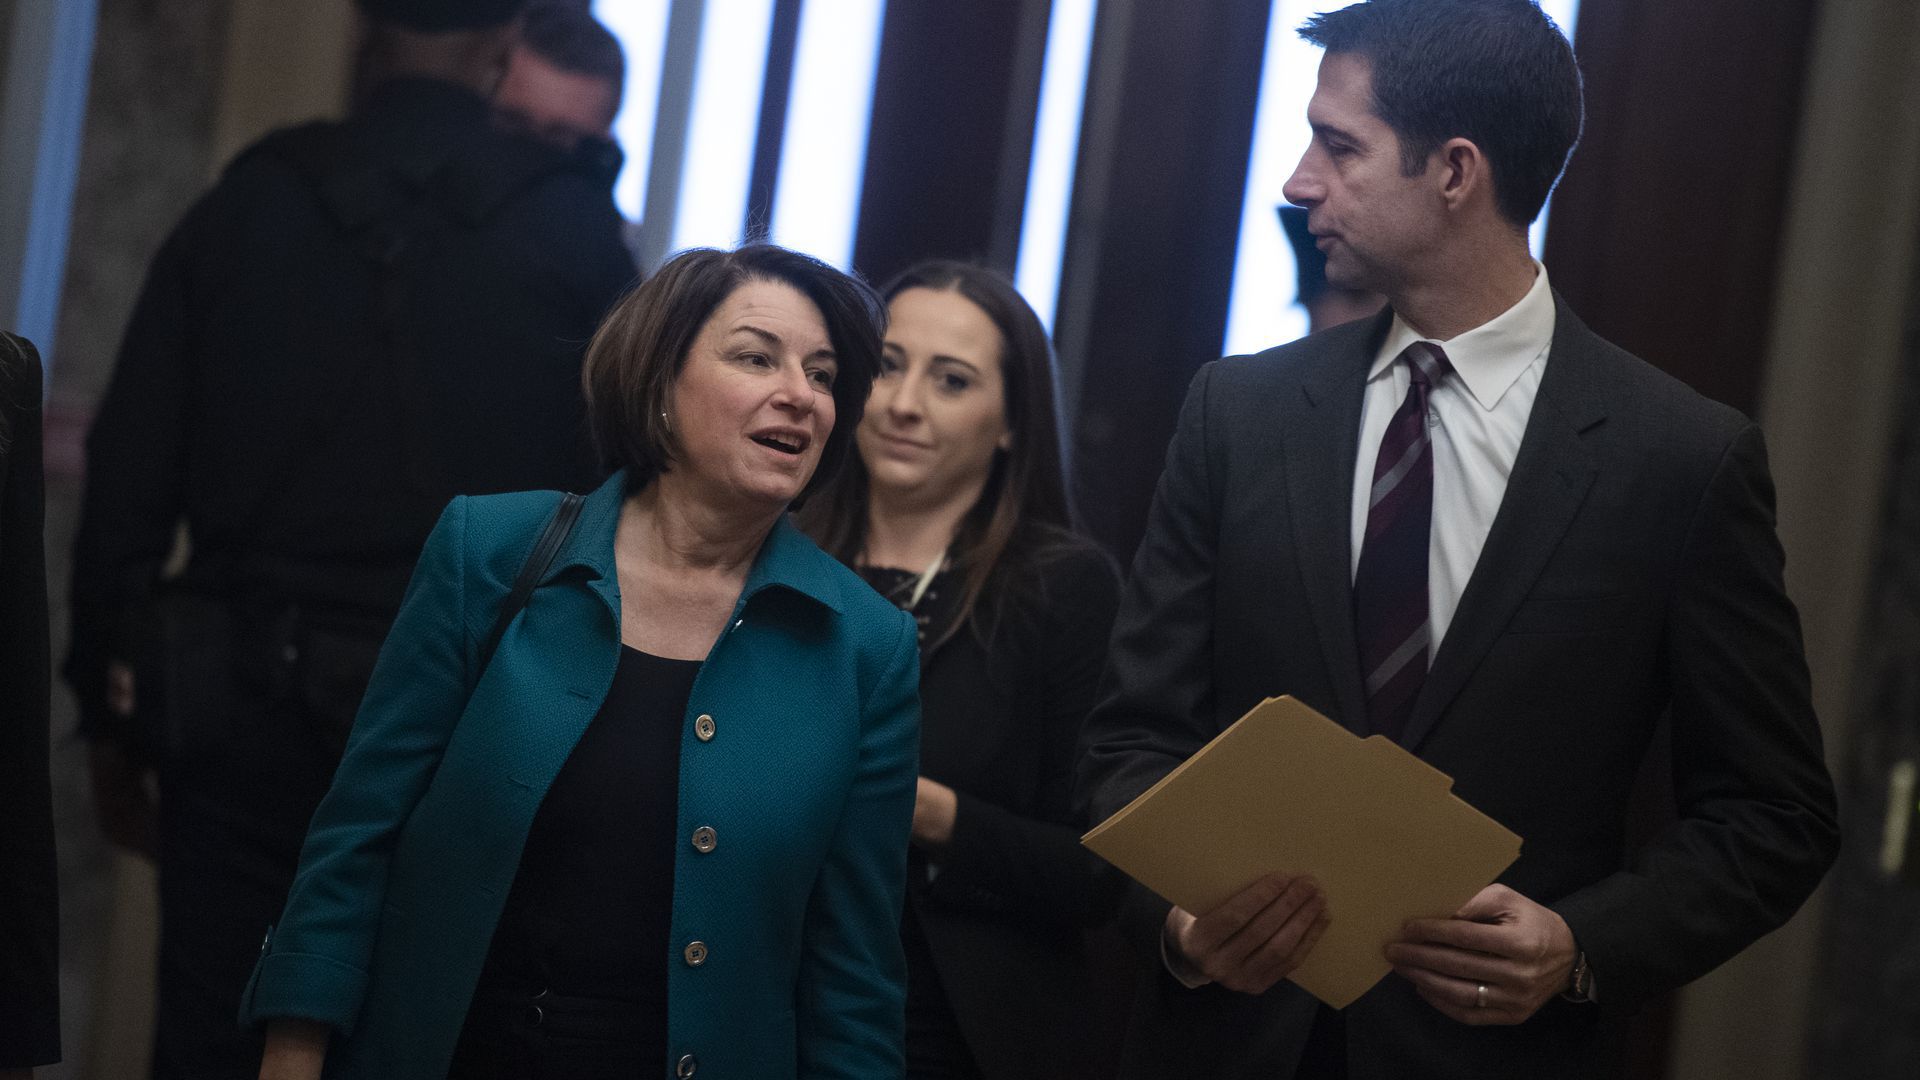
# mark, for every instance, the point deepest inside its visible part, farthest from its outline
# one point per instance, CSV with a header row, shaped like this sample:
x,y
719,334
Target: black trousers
x,y
233,814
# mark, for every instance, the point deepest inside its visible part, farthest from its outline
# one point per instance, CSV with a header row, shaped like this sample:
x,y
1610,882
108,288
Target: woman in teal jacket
x,y
486,890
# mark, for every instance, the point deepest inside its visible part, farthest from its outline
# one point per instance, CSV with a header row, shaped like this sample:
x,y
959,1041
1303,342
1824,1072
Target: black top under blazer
x,y
1005,913
1632,573
29,904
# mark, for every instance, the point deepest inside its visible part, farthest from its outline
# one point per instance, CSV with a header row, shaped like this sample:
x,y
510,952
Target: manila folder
x,y
1287,789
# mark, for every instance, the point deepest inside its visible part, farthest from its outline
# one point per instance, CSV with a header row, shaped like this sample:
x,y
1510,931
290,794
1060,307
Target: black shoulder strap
x,y
559,527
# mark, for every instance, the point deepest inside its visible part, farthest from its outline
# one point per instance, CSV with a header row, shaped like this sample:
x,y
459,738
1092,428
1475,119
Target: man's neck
x,y
472,60
907,535
1468,290
476,82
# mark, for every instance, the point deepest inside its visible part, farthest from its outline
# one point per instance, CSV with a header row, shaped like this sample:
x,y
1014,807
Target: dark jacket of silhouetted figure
x,y
359,322
259,392
29,910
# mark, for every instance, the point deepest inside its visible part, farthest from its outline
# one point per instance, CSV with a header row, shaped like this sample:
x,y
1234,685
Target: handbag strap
x,y
558,528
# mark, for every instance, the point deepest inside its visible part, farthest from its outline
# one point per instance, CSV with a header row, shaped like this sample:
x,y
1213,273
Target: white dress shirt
x,y
1476,417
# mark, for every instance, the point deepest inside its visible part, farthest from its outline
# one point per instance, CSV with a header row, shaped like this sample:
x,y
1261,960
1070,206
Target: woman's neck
x,y
668,527
908,535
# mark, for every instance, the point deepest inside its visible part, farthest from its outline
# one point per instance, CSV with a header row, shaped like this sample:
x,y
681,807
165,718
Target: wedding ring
x,y
1480,998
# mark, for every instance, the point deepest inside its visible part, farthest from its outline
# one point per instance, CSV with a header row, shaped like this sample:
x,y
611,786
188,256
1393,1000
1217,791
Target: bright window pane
x,y
1056,146
823,153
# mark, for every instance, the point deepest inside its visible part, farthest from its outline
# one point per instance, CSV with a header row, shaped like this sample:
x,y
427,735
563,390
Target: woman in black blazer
x,y
29,908
955,509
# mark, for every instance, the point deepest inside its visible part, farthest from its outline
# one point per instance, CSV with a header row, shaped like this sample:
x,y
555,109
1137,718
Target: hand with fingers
x,y
1254,939
1496,961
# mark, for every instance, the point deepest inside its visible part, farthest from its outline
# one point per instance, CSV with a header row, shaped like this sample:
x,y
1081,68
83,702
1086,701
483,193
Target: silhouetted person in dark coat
x,y
360,321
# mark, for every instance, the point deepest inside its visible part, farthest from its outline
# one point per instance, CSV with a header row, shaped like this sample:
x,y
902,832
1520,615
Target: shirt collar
x,y
1489,358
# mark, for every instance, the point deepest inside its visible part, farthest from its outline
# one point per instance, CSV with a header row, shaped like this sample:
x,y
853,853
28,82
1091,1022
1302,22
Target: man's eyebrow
x,y
1329,131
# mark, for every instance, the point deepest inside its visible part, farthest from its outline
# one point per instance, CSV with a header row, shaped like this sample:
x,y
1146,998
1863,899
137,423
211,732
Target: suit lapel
x,y
1551,475
1321,450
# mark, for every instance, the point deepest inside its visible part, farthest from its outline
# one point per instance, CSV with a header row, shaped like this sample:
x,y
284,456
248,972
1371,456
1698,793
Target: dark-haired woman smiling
x,y
955,510
661,832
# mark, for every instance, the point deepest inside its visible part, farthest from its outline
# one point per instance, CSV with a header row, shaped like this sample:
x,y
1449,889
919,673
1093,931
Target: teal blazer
x,y
799,749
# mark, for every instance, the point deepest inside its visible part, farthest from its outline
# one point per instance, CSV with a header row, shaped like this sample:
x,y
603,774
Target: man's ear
x,y
1463,172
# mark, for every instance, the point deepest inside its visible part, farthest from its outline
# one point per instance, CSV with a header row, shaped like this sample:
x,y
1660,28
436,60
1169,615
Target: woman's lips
x,y
899,444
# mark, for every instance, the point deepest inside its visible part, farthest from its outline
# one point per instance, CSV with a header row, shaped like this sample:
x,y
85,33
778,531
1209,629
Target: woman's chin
x,y
894,480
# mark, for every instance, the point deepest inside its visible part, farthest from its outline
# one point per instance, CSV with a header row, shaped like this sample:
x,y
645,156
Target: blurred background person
x,y
1326,303
677,800
563,82
360,321
29,904
955,510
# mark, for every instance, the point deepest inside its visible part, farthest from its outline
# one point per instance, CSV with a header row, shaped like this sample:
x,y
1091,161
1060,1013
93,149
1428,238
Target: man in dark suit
x,y
1473,526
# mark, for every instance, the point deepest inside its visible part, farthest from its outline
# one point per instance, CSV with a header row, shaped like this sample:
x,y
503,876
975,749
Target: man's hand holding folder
x,y
1255,939
1520,951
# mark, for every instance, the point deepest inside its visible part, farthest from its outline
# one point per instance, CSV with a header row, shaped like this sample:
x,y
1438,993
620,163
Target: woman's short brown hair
x,y
638,352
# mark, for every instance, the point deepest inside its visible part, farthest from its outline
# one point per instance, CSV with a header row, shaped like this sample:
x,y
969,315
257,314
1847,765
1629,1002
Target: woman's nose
x,y
795,389
906,400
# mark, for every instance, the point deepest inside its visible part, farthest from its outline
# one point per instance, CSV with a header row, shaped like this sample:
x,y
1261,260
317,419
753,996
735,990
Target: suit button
x,y
695,953
703,728
704,839
688,1063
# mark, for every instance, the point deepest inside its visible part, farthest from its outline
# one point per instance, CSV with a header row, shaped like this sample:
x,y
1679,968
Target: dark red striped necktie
x,y
1390,615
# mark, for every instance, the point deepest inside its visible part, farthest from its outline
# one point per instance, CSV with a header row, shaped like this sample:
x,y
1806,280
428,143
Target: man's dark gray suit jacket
x,y
1632,571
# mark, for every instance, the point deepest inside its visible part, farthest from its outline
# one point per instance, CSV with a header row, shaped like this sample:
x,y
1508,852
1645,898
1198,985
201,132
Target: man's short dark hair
x,y
640,349
1495,72
571,39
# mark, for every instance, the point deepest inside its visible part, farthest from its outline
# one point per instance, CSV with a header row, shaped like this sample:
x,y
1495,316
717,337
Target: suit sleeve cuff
x,y
1177,966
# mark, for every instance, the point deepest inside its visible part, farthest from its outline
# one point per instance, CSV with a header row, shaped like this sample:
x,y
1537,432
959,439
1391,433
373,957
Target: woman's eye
x,y
757,359
954,384
889,366
822,378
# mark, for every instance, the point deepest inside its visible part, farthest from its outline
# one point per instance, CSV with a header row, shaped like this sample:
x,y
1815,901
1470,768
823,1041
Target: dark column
x,y
1665,233
1866,1015
954,99
1150,250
